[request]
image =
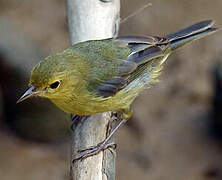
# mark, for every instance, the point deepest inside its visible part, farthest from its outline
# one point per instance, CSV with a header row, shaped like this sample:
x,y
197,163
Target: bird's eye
x,y
55,85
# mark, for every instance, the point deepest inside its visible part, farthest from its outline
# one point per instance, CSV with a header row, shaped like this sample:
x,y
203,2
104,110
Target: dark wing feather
x,y
115,83
142,50
111,86
145,55
148,40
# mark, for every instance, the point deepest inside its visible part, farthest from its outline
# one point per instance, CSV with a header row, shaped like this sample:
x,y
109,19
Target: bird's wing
x,y
141,51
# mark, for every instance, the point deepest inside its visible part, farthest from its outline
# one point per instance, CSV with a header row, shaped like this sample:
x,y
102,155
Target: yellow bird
x,y
106,75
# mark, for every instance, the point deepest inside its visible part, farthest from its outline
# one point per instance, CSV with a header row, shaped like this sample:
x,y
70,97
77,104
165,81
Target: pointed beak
x,y
29,93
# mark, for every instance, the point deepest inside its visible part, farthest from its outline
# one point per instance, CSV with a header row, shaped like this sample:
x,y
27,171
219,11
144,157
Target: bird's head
x,y
52,78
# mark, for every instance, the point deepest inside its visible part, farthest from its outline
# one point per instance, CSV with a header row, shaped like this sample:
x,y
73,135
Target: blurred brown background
x,y
175,133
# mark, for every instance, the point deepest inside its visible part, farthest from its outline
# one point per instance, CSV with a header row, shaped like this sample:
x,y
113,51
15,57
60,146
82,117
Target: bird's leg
x,y
75,120
93,150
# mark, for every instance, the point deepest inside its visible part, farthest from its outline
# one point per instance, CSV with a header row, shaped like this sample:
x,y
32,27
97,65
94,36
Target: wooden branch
x,y
92,19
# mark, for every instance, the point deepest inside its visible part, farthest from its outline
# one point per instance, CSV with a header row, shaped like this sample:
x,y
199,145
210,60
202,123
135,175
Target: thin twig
x,y
138,11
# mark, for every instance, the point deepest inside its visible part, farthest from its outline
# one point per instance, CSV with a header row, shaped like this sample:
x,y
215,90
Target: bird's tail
x,y
191,33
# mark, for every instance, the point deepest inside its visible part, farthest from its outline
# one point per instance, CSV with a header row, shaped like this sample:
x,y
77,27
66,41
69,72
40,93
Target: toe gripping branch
x,y
93,150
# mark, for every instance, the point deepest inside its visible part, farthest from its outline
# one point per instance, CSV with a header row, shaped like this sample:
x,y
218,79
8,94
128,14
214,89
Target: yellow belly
x,y
91,105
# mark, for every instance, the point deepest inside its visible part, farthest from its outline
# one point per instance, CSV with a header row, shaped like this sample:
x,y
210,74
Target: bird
x,y
97,76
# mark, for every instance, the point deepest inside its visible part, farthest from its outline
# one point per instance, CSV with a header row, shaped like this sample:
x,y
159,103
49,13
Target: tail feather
x,y
191,33
193,29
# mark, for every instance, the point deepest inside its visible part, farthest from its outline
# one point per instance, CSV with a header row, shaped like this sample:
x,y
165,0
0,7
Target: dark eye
x,y
54,85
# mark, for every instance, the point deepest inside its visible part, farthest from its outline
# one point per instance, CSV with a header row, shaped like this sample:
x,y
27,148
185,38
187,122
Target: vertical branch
x,y
92,19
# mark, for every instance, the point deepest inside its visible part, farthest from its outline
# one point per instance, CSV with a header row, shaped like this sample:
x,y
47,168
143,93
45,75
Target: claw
x,y
87,149
93,150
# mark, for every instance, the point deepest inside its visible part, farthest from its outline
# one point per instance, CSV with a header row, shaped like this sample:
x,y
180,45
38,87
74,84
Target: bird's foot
x,y
93,150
